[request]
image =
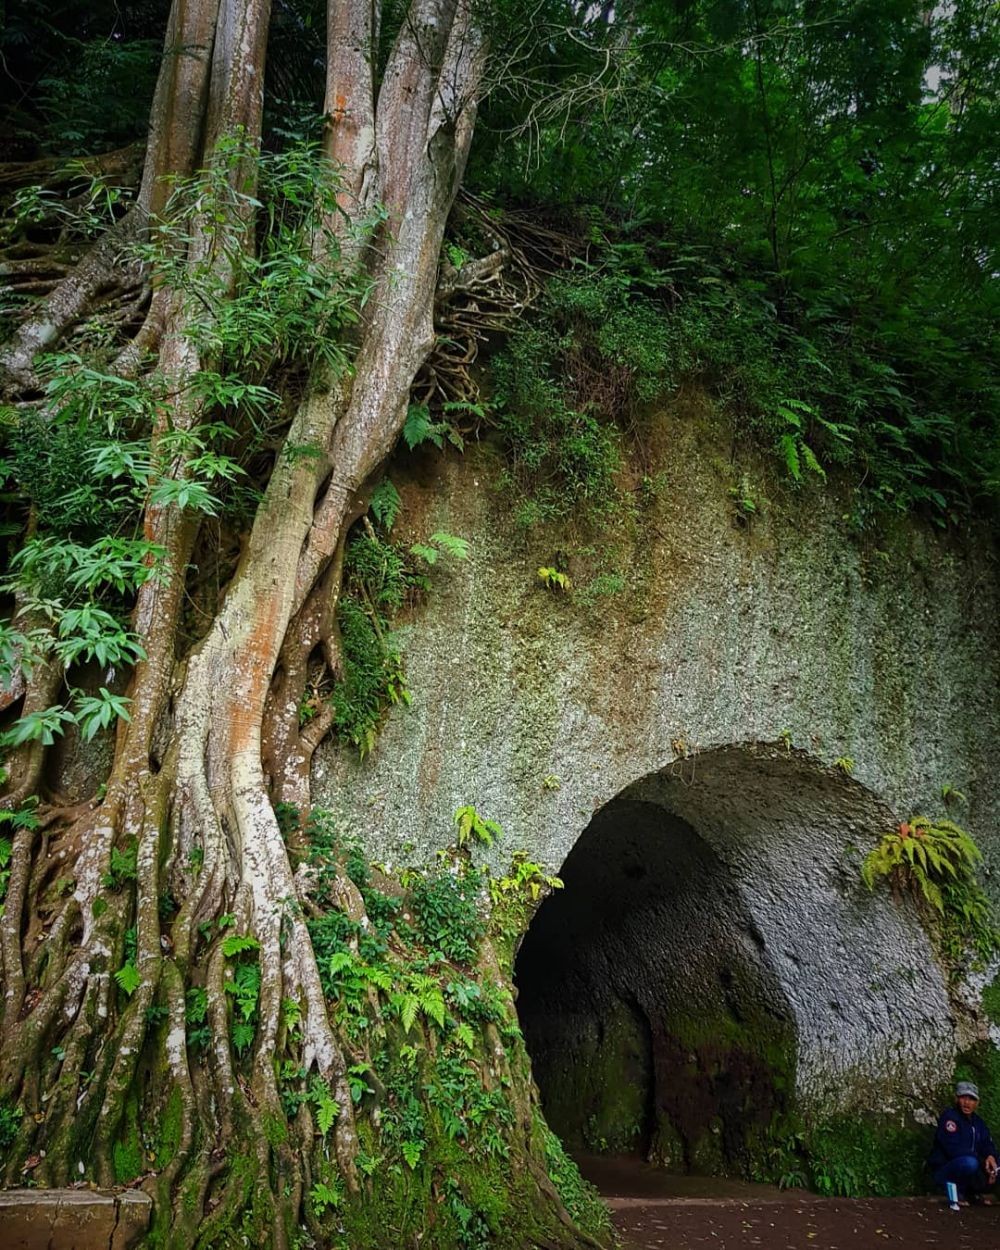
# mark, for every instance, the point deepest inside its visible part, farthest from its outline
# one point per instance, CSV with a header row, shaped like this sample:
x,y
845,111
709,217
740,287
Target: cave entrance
x,y
652,1014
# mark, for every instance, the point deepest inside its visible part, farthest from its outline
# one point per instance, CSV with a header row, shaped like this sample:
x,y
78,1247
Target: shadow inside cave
x,y
654,1019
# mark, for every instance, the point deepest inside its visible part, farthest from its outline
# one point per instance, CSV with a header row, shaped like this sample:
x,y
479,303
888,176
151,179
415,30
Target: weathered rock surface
x,y
719,688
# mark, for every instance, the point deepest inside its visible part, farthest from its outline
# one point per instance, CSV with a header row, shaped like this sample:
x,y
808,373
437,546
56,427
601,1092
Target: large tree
x,y
104,984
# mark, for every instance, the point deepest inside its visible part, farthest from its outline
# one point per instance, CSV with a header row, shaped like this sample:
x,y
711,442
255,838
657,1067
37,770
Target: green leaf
x,y
386,503
790,450
243,1035
408,1006
238,943
412,1151
327,1109
424,552
432,1005
457,548
128,978
419,428
100,711
323,1196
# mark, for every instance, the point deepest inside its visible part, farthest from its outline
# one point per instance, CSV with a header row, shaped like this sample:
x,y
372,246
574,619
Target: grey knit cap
x,y
966,1089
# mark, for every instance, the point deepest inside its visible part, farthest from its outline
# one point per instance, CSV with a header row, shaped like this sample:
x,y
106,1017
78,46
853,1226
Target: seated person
x,y
963,1151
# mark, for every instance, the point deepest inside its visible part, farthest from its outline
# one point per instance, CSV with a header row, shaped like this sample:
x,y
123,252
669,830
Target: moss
x,y
275,1131
10,1121
245,1214
991,1000
735,1086
597,1094
127,1155
169,1136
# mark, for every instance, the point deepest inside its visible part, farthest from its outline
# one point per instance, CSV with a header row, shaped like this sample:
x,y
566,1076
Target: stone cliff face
x,y
672,749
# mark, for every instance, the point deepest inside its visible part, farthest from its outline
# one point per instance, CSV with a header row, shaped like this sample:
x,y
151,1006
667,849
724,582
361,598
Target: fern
x,y
128,978
937,861
327,1108
789,449
323,1196
441,544
242,1035
425,552
386,504
419,428
451,545
238,943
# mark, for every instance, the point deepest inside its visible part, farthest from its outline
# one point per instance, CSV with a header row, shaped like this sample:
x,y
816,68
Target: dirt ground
x,y
654,1211
834,1224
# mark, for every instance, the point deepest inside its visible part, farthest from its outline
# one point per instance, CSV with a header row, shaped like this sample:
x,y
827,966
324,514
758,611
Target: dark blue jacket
x,y
960,1135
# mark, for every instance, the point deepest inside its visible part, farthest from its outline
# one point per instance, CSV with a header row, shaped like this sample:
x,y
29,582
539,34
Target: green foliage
x,y
472,828
12,821
852,1158
10,1122
441,544
123,866
243,987
291,298
553,578
325,1105
524,883
474,1228
937,861
385,504
801,196
326,1197
920,856
578,1196
419,427
278,307
991,1001
199,1033
446,913
128,978
238,944
563,447
380,578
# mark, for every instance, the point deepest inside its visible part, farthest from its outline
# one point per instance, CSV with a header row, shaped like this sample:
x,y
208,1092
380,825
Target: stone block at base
x,y
72,1219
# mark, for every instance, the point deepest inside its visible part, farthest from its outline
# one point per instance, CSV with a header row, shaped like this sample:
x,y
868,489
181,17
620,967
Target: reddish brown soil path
x,y
826,1225
656,1212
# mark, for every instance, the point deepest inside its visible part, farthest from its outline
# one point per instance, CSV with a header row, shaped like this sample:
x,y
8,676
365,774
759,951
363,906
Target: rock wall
x,y
745,656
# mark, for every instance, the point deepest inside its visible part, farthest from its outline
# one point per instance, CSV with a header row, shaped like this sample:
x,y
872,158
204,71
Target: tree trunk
x,y
112,1083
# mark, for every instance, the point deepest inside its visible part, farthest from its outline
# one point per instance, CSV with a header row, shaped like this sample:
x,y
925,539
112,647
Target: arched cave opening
x,y
655,1021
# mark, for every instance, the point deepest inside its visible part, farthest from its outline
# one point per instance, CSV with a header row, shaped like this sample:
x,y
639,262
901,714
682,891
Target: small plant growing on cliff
x,y
951,794
921,856
475,828
553,578
937,861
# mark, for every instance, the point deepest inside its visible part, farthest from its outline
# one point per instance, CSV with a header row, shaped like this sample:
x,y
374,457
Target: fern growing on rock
x,y
937,862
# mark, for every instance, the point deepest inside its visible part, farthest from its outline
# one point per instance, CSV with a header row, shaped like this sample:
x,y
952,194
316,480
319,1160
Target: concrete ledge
x,y
72,1219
